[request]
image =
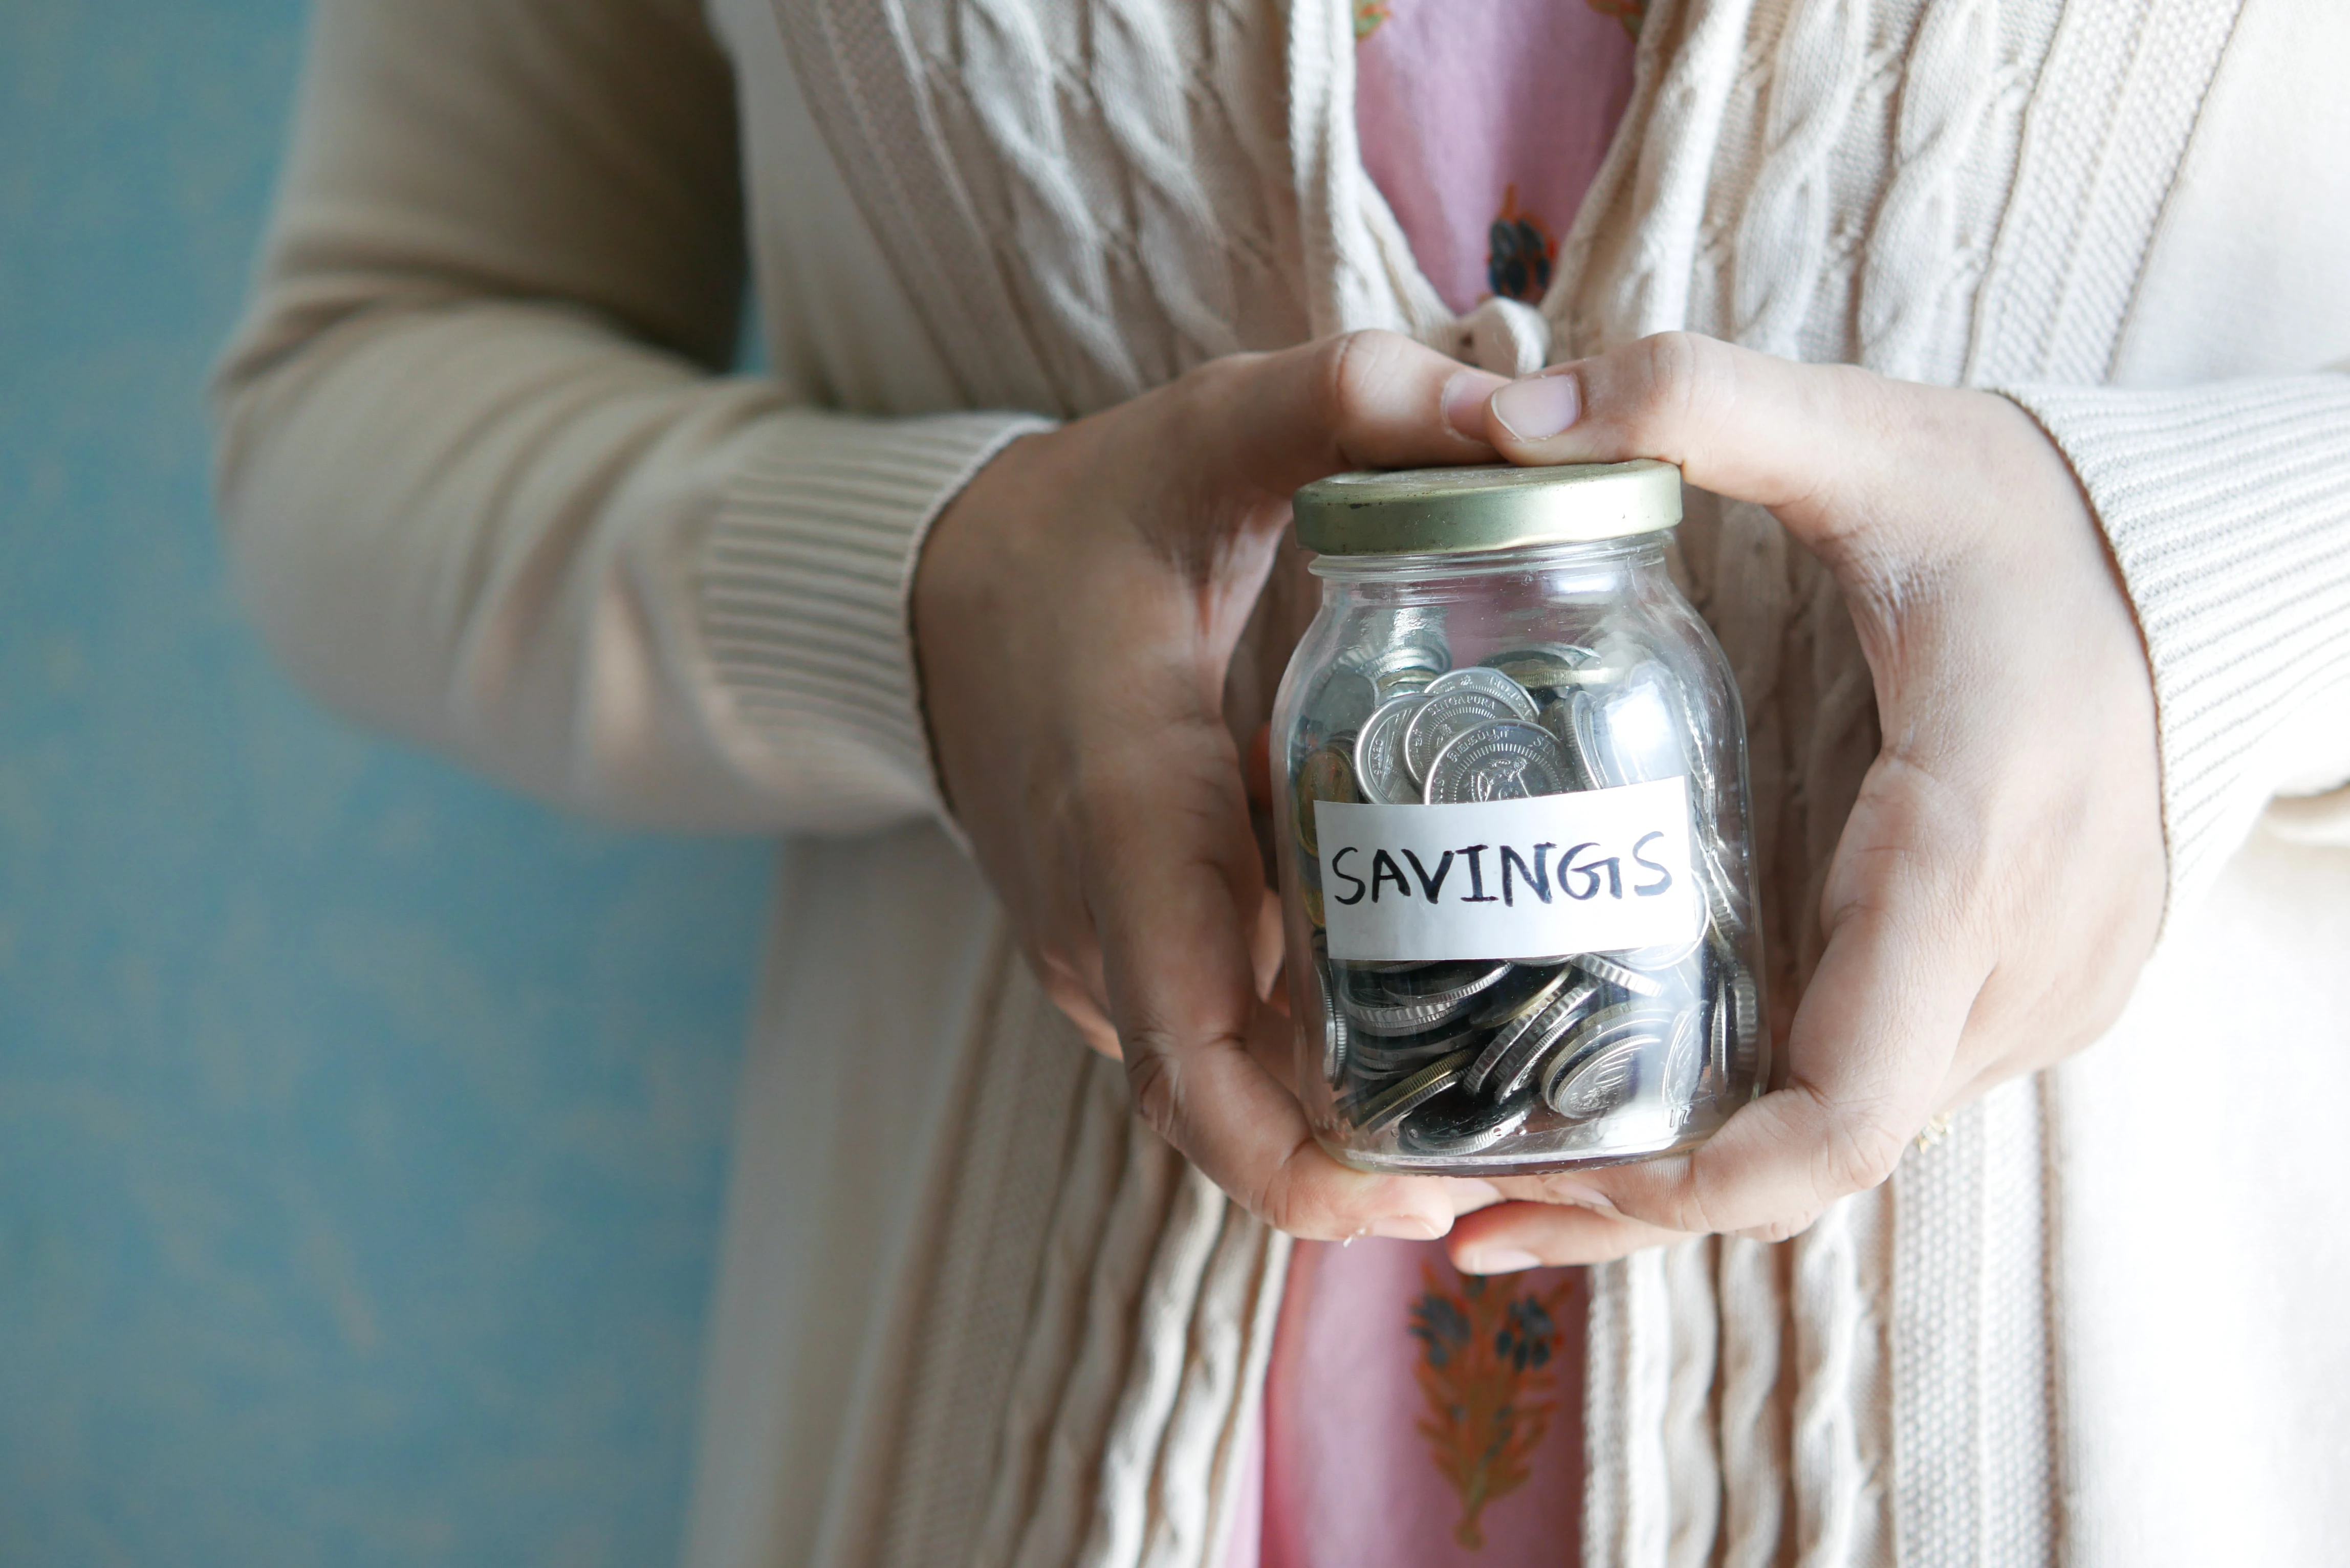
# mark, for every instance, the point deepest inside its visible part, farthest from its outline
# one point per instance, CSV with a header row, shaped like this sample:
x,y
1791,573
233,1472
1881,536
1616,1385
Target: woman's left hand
x,y
1999,881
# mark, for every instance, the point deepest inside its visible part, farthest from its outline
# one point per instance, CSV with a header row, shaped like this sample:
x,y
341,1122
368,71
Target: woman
x,y
2021,671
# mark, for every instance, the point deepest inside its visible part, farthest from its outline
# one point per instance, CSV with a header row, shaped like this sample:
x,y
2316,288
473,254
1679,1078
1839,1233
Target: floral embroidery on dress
x,y
1368,15
1485,1352
1519,252
1629,12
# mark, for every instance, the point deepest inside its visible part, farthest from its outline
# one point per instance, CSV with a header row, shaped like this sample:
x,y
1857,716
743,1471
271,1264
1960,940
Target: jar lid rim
x,y
1493,507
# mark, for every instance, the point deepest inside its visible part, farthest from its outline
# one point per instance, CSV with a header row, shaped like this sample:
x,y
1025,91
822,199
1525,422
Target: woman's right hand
x,y
1075,610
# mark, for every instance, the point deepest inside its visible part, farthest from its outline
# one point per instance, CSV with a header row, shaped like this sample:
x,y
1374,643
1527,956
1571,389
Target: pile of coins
x,y
1581,1051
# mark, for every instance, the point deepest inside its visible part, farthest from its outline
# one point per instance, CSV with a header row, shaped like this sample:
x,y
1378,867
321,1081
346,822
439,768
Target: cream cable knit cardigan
x,y
486,492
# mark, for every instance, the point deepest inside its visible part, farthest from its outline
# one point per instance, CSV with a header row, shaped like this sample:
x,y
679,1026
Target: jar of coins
x,y
1514,861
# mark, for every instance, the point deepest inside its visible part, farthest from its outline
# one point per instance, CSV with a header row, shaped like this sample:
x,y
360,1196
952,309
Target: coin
x,y
1492,683
1343,700
1602,1058
1745,1022
1334,1035
1633,735
1451,981
1586,733
1410,1004
1454,1123
1559,718
1378,1057
1528,988
1381,1107
1438,718
1327,773
1399,1017
1719,1029
1405,682
1724,900
1313,910
1600,1082
1500,761
1544,667
1509,1059
1601,968
1418,650
1683,1060
1379,770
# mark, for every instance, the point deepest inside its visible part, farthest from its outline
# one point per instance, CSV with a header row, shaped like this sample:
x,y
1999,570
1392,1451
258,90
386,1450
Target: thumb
x,y
1811,443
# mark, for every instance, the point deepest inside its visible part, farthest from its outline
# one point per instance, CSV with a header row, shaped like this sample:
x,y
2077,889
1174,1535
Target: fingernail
x,y
1409,1228
1539,407
1464,402
1499,1261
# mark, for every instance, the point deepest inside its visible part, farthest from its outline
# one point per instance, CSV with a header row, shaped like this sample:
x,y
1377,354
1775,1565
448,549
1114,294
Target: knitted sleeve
x,y
486,483
2227,508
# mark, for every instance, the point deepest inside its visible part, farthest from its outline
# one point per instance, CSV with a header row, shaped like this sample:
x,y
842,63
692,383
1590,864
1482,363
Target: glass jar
x,y
1517,886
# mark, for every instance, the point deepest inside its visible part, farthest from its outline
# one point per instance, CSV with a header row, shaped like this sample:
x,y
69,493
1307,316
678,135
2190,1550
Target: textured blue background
x,y
361,1129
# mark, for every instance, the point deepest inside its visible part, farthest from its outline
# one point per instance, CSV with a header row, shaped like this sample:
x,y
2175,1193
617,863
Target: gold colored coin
x,y
1313,909
1327,773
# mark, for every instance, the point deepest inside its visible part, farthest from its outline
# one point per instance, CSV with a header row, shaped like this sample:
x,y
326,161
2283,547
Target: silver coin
x,y
1334,1034
1599,967
1454,1123
1476,677
1453,979
1633,735
1498,760
1380,771
1395,1004
1684,1059
1545,666
1600,1081
1509,1058
1745,1023
1557,717
1718,1030
1385,1057
1405,682
1528,988
1587,732
1576,1085
1439,720
1399,1017
1343,700
1699,755
1417,651
1388,1103
1724,899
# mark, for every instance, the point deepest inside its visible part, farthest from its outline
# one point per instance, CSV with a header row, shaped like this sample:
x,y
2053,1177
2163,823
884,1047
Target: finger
x,y
1366,399
1507,1236
1811,443
1161,837
1873,1043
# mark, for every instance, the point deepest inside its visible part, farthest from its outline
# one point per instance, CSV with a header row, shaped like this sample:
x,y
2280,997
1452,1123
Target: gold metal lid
x,y
1497,507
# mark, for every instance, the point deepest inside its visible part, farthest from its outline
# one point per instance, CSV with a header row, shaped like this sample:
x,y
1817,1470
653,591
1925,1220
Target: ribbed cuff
x,y
802,584
2228,507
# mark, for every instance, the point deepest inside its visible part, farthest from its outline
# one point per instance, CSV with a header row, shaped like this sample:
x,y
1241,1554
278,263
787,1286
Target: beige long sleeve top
x,y
489,486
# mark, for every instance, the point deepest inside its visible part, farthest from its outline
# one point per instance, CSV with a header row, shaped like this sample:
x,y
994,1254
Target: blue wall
x,y
361,1129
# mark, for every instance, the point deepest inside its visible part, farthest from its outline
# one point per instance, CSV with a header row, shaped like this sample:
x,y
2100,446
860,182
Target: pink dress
x,y
1415,1416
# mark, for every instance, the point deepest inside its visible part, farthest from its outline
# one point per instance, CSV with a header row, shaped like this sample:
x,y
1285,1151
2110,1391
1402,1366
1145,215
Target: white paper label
x,y
1594,871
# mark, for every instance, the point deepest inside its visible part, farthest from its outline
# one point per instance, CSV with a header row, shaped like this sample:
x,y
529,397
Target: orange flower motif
x,y
1519,252
1368,15
1486,1349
